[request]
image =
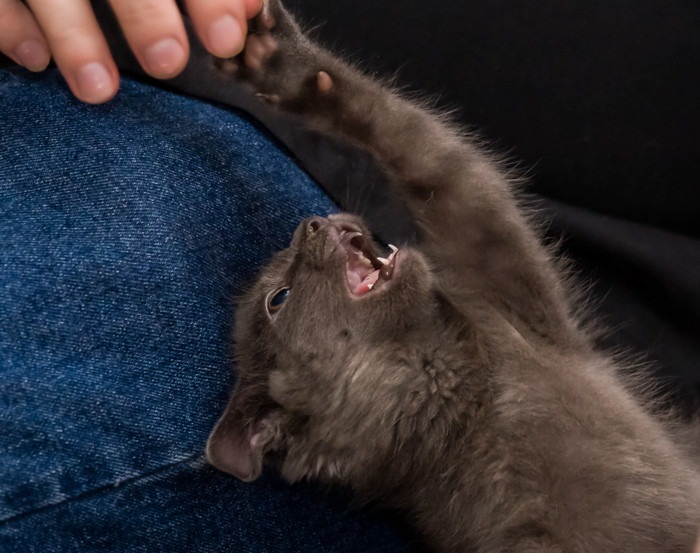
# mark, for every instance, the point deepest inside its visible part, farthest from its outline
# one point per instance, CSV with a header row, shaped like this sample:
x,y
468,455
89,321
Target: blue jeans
x,y
126,232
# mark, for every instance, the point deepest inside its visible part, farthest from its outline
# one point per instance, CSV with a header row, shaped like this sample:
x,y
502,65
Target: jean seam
x,y
119,484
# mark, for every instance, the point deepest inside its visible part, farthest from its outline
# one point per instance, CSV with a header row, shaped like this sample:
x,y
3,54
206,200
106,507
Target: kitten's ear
x,y
237,446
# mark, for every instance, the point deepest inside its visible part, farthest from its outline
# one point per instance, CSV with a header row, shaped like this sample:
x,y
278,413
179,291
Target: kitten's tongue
x,y
367,283
363,277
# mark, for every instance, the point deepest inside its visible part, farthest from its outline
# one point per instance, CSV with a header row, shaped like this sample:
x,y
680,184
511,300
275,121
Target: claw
x,y
387,271
270,98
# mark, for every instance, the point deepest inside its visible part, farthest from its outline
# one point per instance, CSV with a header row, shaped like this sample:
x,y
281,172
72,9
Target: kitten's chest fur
x,y
556,447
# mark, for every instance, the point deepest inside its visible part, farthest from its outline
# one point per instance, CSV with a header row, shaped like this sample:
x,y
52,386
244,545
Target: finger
x,y
78,47
21,38
156,34
220,24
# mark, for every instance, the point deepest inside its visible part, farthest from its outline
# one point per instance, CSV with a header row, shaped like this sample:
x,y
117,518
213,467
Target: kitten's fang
x,y
387,271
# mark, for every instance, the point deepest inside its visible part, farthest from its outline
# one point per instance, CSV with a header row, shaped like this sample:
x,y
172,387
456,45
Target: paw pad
x,y
265,19
229,65
324,82
257,49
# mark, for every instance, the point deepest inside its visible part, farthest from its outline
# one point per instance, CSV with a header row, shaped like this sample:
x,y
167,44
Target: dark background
x,y
598,99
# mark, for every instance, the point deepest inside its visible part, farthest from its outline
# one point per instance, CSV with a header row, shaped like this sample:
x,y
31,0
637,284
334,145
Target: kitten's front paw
x,y
261,44
280,63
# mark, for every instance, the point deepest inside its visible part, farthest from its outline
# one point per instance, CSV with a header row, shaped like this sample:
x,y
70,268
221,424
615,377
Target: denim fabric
x,y
126,231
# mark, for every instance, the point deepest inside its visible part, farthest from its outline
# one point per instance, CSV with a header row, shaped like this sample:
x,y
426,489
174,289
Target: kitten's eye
x,y
276,299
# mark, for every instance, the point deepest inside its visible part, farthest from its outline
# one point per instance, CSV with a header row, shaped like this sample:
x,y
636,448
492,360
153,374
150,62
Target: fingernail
x,y
225,37
32,54
94,83
164,58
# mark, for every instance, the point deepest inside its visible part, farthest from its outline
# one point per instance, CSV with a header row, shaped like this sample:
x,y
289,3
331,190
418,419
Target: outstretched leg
x,y
474,231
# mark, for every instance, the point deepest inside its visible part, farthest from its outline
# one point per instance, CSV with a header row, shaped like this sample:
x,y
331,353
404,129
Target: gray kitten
x,y
454,381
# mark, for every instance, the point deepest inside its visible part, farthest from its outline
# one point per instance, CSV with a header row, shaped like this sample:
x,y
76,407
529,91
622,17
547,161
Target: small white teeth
x,y
394,249
370,285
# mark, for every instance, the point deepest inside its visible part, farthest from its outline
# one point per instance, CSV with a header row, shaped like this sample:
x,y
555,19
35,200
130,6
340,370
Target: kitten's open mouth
x,y
365,270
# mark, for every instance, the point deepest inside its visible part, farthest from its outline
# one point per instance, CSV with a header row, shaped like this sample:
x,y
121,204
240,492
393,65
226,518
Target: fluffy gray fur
x,y
463,390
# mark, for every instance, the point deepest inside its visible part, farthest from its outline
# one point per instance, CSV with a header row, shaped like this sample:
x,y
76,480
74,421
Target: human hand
x,y
67,30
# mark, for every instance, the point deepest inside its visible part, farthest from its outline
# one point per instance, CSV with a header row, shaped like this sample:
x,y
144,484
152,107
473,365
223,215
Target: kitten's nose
x,y
314,224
